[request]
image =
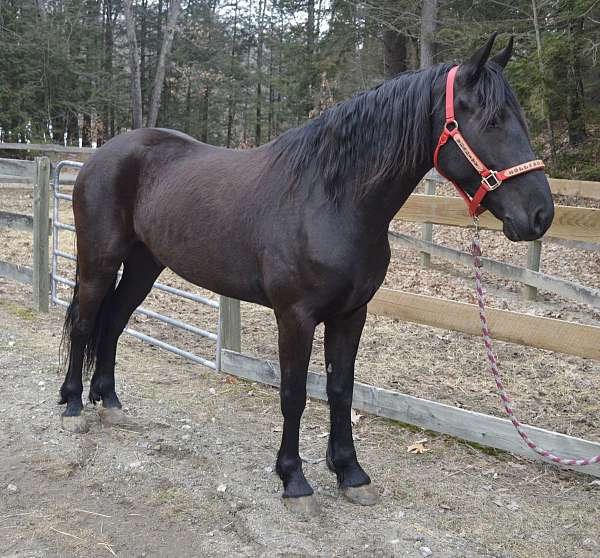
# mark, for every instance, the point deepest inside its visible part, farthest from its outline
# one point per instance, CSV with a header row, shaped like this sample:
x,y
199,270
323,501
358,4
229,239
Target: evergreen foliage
x,y
241,72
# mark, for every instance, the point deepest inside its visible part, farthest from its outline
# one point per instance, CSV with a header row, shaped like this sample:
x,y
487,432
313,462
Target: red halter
x,y
490,180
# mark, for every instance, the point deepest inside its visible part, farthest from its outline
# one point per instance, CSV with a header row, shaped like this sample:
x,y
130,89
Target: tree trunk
x,y
143,44
394,52
94,65
428,25
412,53
93,129
271,86
188,107
576,113
165,50
134,66
262,4
204,133
276,116
231,101
108,66
245,104
312,82
538,42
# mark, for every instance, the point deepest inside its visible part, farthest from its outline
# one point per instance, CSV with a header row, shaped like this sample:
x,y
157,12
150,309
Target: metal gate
x,y
57,279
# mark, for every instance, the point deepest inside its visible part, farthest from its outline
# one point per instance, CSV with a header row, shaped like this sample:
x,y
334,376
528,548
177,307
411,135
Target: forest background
x,y
238,73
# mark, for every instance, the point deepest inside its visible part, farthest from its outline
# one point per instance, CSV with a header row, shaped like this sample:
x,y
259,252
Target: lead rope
x,y
487,341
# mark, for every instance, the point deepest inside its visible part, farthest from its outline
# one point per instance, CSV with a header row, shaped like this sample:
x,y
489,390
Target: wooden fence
x,y
570,223
578,229
524,329
556,335
483,429
46,148
37,172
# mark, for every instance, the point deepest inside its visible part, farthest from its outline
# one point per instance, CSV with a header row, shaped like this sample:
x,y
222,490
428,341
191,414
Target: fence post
x,y
534,256
427,228
41,280
230,327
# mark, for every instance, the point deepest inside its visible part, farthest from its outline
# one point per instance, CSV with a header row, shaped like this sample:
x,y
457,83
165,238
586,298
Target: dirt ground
x,y
192,473
154,487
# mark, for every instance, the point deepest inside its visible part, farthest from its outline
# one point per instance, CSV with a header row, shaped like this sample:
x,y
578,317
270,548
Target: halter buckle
x,y
451,125
486,180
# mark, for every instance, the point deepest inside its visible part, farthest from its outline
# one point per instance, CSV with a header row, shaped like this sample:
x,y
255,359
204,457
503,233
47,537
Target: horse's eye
x,y
493,123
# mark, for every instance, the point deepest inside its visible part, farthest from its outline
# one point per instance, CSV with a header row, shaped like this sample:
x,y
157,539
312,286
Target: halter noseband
x,y
490,180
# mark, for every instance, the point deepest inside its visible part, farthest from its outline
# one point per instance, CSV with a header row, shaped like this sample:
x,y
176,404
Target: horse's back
x,y
125,169
185,200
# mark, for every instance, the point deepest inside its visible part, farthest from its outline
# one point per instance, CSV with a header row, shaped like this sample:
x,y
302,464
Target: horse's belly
x,y
205,254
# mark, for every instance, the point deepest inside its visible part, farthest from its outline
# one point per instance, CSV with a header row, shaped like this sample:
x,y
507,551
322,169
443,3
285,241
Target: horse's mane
x,y
494,95
380,133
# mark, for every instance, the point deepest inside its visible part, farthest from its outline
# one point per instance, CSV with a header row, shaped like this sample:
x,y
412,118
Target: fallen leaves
x,y
354,416
418,447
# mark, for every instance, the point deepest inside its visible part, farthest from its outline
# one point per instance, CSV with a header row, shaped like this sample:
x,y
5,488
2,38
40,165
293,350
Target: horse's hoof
x,y
303,506
365,495
113,416
77,424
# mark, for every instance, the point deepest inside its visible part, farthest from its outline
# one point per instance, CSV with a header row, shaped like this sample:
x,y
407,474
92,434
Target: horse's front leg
x,y
296,332
342,336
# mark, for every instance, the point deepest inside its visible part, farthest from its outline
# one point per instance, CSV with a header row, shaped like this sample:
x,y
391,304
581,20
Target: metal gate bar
x,y
57,279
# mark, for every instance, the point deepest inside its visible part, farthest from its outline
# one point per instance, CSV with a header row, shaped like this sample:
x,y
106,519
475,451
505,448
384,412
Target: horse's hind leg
x,y
140,271
342,336
90,293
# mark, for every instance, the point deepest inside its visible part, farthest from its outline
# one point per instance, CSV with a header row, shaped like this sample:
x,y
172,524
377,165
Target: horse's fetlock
x,y
287,465
102,385
342,457
70,391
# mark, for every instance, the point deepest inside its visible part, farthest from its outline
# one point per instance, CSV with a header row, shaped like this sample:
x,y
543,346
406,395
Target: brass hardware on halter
x,y
486,180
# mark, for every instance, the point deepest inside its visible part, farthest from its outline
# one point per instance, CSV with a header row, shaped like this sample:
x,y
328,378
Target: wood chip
x,y
65,533
91,513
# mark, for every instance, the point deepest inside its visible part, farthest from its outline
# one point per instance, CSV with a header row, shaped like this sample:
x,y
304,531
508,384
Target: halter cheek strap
x,y
490,179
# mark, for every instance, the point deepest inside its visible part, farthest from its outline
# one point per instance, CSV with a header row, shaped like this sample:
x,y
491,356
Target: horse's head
x,y
491,124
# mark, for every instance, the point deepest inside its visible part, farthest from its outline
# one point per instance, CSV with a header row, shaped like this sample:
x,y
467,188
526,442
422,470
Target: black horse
x,y
299,225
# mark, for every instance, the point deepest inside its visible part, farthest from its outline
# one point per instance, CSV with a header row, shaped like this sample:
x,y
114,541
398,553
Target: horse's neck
x,y
385,199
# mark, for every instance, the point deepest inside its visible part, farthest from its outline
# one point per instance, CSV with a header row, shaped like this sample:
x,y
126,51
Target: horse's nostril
x,y
540,222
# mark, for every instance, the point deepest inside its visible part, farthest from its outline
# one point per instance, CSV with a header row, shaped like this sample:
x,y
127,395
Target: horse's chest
x,y
364,275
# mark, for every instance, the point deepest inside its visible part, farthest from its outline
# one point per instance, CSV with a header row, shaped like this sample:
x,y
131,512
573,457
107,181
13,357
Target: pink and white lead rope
x,y
487,340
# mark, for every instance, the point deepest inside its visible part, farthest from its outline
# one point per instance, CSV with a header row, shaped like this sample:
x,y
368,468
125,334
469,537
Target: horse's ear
x,y
472,68
504,55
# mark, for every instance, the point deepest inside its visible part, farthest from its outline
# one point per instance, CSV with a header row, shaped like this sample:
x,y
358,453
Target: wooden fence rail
x,y
17,168
19,273
16,221
45,148
570,223
524,329
533,279
579,188
65,179
468,425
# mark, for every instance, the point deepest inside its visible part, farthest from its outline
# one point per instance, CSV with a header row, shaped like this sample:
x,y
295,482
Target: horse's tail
x,y
93,339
